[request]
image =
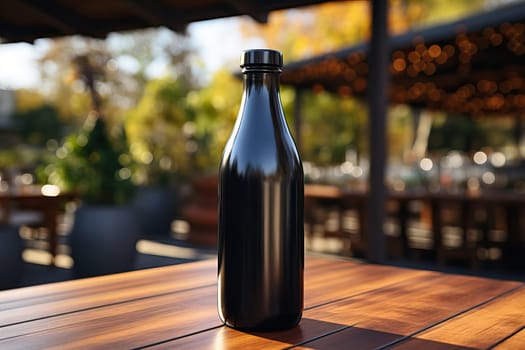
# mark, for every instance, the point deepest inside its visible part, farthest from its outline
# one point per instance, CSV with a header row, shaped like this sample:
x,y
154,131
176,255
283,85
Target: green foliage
x,y
36,126
455,132
176,132
94,165
156,132
400,131
21,157
331,125
216,107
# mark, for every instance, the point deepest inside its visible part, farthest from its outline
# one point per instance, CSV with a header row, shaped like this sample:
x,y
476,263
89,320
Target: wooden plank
x,y
375,319
363,338
21,305
228,338
347,278
480,328
516,341
55,299
33,294
347,303
127,325
423,310
343,279
365,320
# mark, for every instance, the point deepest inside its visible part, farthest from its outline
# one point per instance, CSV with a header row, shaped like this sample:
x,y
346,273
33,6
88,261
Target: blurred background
x,y
168,101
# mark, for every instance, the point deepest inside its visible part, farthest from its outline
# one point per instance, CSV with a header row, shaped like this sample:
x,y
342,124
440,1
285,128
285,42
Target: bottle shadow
x,y
316,334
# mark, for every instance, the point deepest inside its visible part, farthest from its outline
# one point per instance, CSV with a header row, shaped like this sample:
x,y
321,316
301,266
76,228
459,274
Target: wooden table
x,y
347,305
48,205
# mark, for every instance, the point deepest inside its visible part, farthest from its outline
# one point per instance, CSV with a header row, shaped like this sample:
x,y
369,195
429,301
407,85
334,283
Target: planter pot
x,y
103,240
11,264
156,208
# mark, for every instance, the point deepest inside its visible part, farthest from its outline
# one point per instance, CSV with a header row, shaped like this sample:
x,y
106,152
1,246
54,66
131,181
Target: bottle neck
x,y
261,79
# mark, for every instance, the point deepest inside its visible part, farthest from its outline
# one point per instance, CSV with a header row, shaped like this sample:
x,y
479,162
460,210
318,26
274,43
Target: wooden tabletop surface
x,y
348,305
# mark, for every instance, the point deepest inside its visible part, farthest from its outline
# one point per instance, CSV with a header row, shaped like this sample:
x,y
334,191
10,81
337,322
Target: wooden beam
x,y
519,133
66,20
13,33
246,8
377,109
157,14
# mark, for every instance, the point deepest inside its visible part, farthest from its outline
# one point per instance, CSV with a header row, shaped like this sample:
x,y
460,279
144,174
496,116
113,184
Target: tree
x,y
326,27
120,64
312,30
176,131
106,78
331,126
216,107
156,133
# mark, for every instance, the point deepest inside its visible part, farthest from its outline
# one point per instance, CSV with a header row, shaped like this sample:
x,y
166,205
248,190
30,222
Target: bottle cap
x,y
261,57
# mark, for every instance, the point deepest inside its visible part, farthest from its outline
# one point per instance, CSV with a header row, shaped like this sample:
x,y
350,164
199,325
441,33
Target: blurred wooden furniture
x,y
48,206
321,198
201,211
503,211
347,305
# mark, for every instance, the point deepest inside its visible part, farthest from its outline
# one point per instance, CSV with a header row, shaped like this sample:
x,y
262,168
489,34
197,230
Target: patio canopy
x,y
473,66
27,20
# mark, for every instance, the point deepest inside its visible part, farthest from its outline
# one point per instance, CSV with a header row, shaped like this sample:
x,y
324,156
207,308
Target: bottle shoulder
x,y
268,157
261,140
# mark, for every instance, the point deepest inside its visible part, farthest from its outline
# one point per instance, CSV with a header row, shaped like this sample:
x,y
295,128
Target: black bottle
x,y
261,195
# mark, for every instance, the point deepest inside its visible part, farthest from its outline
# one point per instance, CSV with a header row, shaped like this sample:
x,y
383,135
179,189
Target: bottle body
x,y
261,248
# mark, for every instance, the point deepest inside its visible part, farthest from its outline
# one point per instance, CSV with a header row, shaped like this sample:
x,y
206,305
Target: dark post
x,y
519,130
297,116
378,59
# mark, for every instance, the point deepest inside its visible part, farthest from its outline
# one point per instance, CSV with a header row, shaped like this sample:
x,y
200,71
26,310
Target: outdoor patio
x,y
409,118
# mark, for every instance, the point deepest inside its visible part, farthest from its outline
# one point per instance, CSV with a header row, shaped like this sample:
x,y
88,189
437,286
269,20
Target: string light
x,y
441,75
